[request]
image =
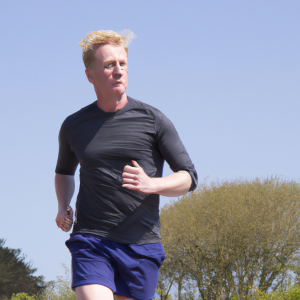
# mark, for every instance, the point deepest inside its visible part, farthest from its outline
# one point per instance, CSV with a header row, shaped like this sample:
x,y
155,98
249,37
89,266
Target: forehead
x,y
110,52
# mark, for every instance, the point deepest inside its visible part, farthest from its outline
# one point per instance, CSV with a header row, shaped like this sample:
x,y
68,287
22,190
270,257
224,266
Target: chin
x,y
119,90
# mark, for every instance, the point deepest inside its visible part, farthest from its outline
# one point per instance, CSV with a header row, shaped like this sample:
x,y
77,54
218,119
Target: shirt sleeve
x,y
67,161
173,151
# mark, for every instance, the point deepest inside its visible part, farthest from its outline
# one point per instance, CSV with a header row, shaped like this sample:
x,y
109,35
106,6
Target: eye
x,y
109,66
123,64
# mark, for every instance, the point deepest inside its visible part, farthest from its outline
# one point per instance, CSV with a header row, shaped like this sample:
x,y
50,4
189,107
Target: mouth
x,y
117,82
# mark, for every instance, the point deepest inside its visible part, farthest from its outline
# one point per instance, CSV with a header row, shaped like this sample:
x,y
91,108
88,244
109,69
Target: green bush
x,y
22,296
293,293
59,289
288,293
227,237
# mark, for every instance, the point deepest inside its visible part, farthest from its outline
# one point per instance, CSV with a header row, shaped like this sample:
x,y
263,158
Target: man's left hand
x,y
136,179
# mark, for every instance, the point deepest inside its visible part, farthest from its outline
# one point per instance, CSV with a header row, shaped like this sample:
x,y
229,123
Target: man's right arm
x,y
64,187
64,181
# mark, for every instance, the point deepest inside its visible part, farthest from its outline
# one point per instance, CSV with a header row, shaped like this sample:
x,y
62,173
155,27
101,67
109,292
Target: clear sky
x,y
226,73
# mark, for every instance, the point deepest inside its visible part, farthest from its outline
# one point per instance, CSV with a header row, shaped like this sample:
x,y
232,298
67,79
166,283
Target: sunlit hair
x,y
96,38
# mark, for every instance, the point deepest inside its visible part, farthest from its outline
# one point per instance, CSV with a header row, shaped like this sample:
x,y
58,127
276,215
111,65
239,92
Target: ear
x,y
89,75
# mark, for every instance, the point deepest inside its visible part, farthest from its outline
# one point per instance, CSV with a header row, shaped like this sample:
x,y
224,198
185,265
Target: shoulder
x,y
161,121
79,115
146,108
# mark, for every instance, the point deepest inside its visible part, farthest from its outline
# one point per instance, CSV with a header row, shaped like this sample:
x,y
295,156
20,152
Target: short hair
x,y
96,38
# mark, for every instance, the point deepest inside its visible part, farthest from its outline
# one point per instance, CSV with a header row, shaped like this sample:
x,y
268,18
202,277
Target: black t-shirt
x,y
104,143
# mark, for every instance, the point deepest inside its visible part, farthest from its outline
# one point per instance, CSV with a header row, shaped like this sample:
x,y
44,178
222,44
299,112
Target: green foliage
x,y
55,290
228,237
289,293
22,296
59,289
165,282
16,275
293,293
188,291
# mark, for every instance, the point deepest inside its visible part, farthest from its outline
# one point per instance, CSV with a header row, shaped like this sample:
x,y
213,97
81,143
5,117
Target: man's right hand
x,y
64,219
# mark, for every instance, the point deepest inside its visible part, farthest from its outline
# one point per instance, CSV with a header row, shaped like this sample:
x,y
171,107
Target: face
x,y
109,75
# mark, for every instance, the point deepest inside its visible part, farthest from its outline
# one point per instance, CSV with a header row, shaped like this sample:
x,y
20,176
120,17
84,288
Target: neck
x,y
112,103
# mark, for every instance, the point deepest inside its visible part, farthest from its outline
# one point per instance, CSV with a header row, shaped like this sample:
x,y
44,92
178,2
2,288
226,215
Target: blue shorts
x,y
128,270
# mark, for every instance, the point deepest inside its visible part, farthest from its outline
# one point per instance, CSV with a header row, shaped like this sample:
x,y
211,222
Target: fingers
x,y
129,175
131,170
130,186
130,180
65,226
134,170
135,164
134,178
69,221
64,219
70,211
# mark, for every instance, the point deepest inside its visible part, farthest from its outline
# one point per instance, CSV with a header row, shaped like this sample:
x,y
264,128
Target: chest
x,y
119,138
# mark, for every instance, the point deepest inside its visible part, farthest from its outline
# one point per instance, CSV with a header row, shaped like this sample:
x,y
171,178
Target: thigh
x,y
90,268
93,292
138,270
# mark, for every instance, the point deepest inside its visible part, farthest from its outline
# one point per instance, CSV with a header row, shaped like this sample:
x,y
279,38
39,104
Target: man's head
x,y
105,58
96,38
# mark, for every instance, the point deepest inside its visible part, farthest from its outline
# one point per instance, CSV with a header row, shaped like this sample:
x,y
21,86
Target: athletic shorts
x,y
128,270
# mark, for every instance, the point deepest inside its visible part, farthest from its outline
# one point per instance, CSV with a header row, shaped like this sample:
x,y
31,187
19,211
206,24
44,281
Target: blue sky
x,y
226,73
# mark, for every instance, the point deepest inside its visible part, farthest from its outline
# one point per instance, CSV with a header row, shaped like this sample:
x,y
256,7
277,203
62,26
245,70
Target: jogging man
x,y
120,144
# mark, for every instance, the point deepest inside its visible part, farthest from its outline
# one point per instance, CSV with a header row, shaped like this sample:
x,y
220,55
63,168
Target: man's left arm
x,y
184,178
176,184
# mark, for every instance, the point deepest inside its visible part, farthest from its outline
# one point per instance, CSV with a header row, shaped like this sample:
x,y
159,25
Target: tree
x,y
234,236
16,275
59,289
165,282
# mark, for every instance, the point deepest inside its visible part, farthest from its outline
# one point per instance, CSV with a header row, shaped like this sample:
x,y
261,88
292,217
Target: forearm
x,y
64,187
176,184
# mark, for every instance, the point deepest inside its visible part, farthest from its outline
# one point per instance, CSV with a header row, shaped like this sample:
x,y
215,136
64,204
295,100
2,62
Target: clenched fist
x,y
64,219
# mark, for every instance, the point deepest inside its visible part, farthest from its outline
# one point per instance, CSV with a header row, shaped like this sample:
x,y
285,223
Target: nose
x,y
118,70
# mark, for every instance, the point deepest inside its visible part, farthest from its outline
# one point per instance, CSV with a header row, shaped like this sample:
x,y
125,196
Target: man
x,y
121,144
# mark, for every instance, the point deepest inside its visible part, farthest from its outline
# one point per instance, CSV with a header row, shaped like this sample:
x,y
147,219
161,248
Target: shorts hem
x,y
81,283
